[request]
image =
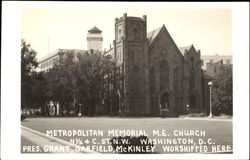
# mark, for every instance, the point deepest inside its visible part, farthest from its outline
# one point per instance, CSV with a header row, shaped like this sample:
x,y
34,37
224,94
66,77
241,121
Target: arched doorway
x,y
165,101
193,102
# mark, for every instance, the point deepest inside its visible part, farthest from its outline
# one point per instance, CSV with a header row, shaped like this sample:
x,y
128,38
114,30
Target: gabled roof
x,y
153,34
94,30
188,48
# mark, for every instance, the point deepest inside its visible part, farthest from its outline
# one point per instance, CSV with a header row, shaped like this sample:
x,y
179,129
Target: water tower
x,y
94,39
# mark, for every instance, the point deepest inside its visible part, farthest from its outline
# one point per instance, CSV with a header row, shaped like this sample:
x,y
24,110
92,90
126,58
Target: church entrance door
x,y
165,100
164,106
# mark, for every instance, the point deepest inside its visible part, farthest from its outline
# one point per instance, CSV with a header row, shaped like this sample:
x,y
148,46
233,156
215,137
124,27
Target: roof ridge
x,y
152,34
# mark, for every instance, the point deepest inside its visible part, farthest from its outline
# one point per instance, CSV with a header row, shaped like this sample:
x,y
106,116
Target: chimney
x,y
124,15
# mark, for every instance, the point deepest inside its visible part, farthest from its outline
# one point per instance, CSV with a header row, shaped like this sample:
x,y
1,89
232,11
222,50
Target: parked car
x,y
22,117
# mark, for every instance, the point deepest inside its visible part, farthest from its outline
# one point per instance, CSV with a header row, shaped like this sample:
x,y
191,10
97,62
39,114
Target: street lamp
x,y
210,83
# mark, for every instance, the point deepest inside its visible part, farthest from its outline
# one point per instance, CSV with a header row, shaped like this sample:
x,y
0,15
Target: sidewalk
x,y
214,118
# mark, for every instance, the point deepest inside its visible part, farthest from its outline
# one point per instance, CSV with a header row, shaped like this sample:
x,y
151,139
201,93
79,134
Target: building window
x,y
176,81
192,61
152,80
136,57
164,79
192,79
176,73
119,33
132,55
135,31
118,56
135,79
215,69
202,62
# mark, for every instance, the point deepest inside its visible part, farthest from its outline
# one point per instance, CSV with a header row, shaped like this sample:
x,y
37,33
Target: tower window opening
x,y
135,32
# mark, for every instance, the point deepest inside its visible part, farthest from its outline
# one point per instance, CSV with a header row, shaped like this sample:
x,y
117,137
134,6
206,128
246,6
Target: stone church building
x,y
155,75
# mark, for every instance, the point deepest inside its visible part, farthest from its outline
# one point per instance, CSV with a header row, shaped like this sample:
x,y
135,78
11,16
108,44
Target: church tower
x,y
131,53
94,39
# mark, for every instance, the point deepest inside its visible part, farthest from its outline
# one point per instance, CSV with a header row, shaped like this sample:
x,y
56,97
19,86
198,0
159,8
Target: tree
x,y
60,87
222,97
86,79
28,66
90,69
39,92
77,80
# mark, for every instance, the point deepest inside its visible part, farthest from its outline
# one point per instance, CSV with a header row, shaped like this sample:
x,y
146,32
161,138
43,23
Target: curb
x,y
57,140
207,119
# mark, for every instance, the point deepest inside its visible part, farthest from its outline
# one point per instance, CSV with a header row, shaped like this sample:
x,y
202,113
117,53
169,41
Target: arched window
x,y
192,78
192,74
135,80
131,57
118,56
176,87
192,62
164,79
135,32
152,80
136,57
119,33
176,72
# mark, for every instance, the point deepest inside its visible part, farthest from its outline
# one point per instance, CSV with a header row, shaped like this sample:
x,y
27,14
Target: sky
x,y
48,29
